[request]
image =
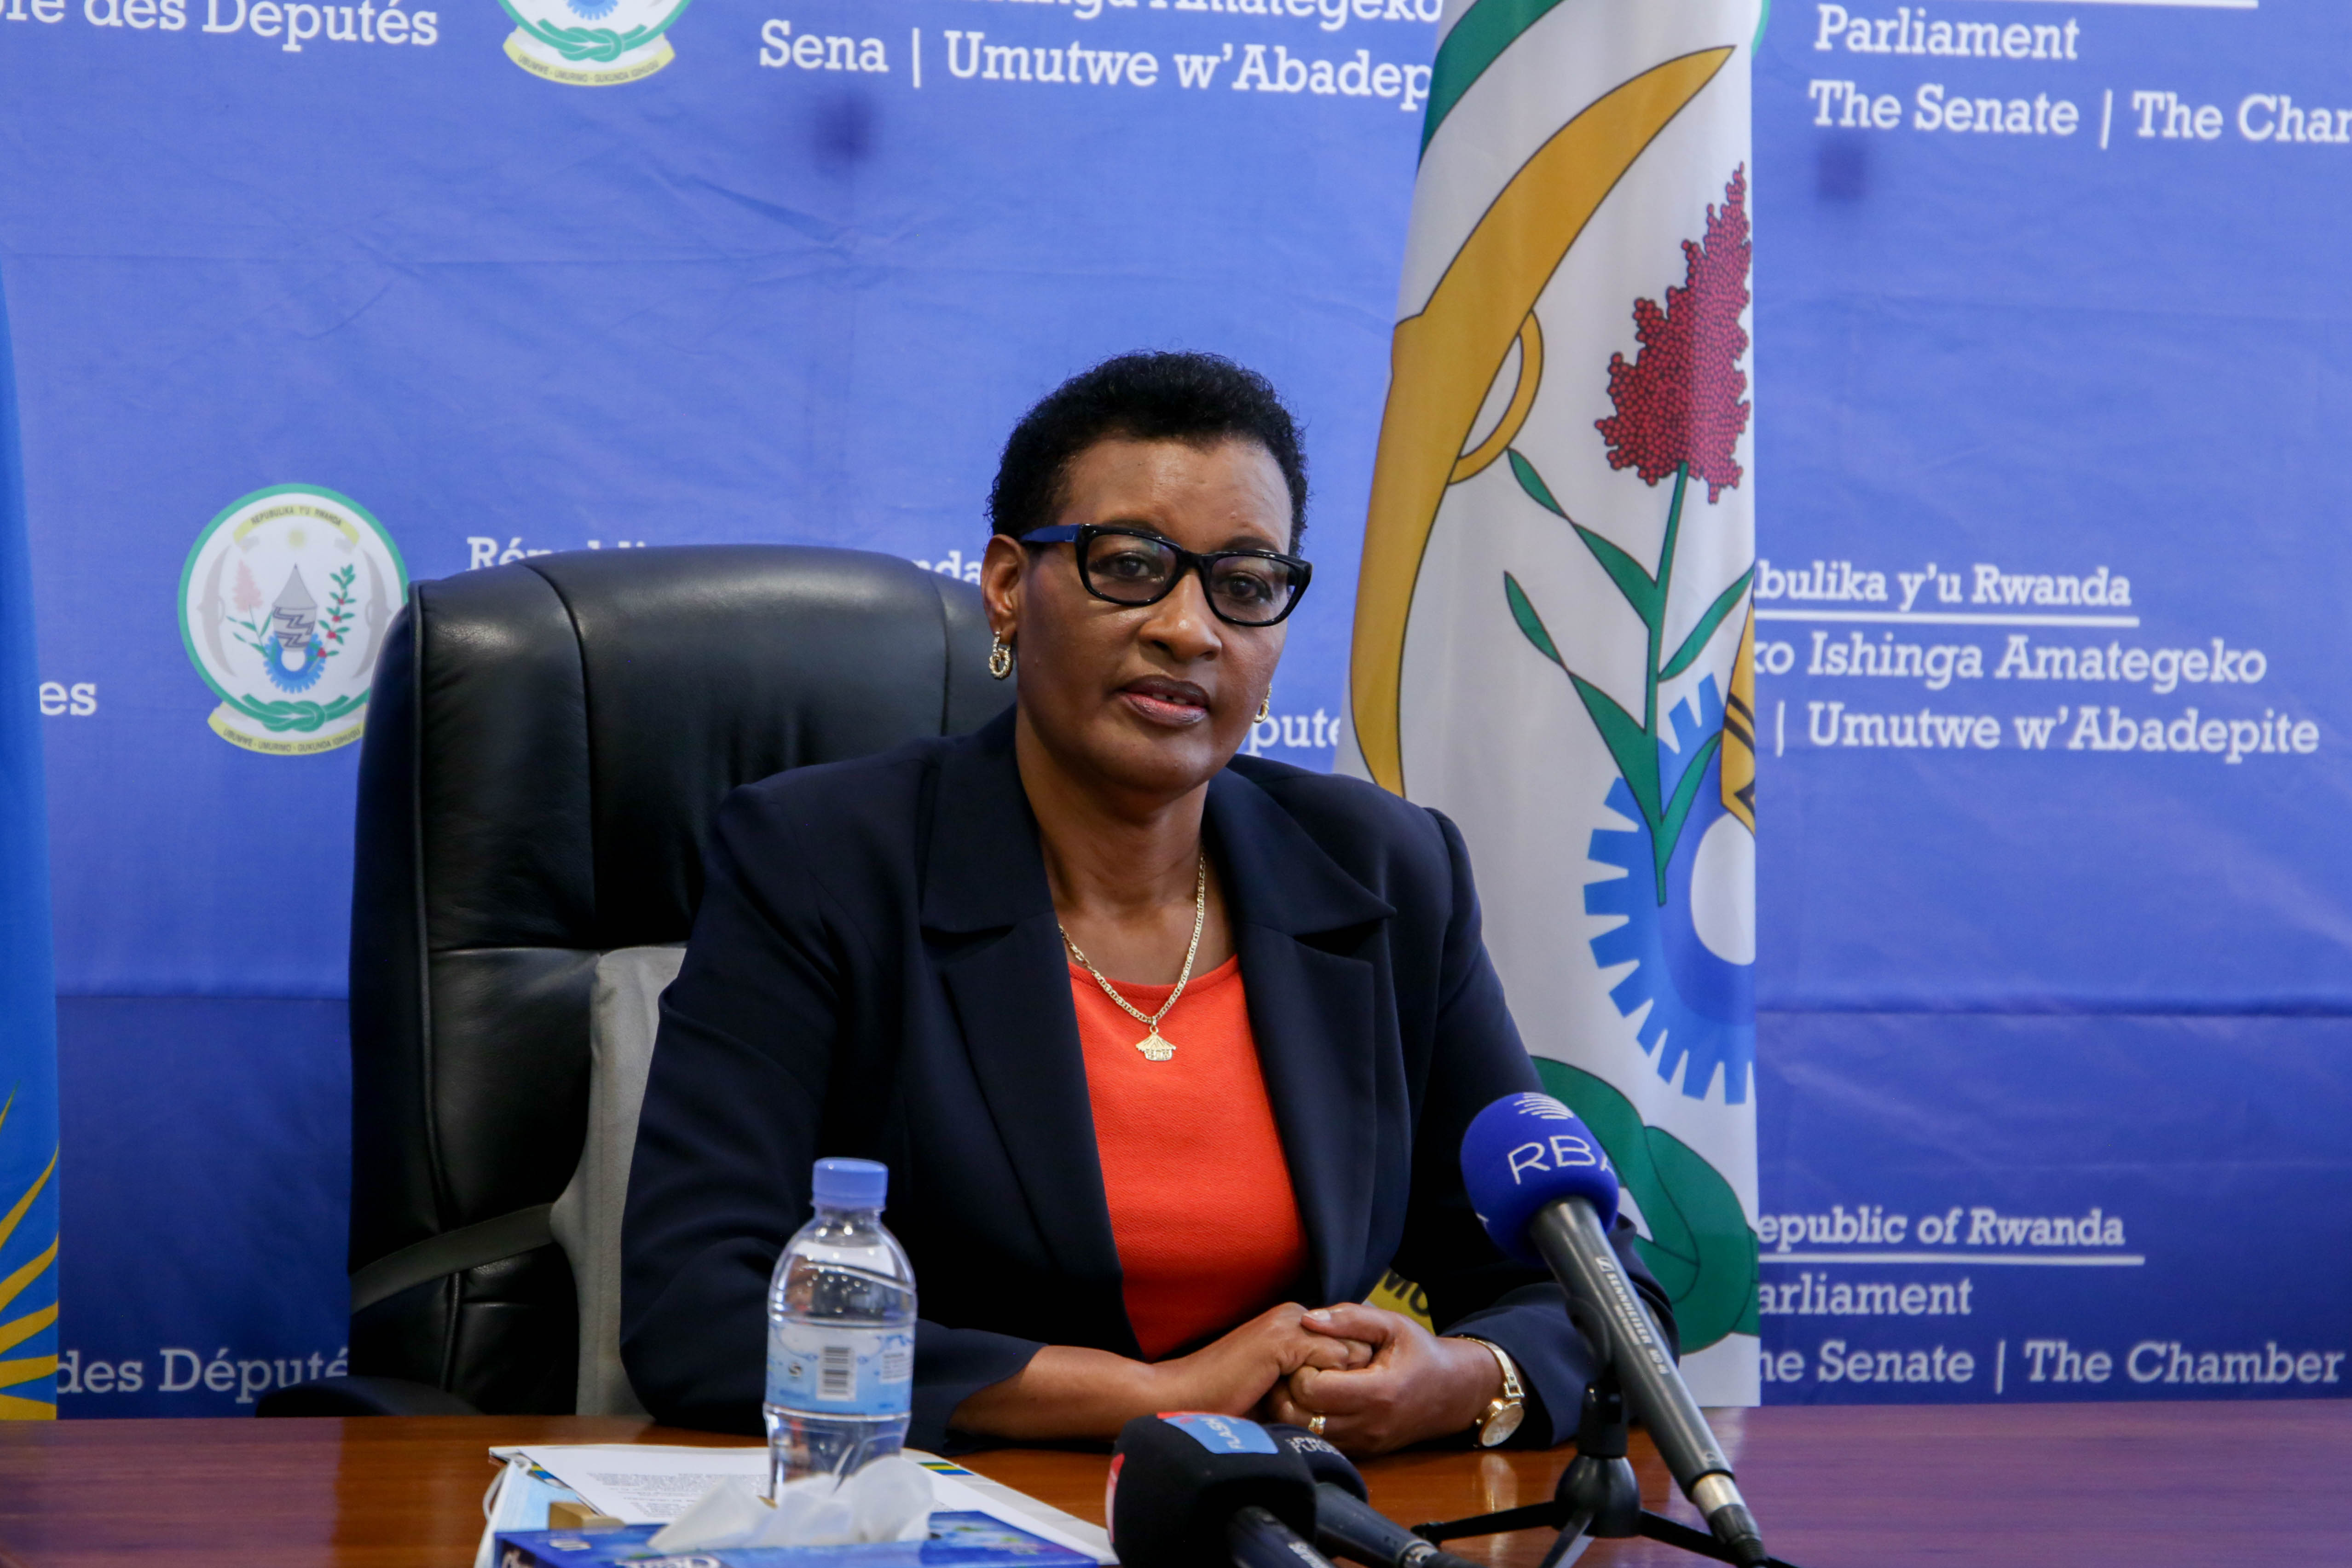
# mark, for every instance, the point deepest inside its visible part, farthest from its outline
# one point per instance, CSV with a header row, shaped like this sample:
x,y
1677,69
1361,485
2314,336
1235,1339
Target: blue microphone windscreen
x,y
1526,1151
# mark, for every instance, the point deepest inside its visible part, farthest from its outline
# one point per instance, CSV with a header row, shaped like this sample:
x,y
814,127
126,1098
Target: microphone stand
x,y
1597,1499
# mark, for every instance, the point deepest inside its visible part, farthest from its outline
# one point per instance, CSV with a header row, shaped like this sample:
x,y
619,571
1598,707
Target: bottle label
x,y
841,1371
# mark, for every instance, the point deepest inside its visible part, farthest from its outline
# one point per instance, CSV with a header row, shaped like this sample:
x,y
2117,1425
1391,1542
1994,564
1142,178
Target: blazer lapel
x,y
990,916
1312,1012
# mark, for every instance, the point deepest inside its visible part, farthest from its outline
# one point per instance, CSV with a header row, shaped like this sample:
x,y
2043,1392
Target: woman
x,y
1159,1042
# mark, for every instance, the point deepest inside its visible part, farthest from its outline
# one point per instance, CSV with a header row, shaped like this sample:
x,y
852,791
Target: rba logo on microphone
x,y
1561,1151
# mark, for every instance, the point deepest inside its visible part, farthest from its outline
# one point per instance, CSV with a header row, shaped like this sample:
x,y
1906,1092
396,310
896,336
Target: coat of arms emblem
x,y
284,604
592,43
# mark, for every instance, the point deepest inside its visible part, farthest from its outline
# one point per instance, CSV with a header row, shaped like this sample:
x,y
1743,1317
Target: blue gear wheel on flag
x,y
273,656
1702,1008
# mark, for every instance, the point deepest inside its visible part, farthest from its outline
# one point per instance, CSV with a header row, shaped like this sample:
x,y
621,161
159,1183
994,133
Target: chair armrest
x,y
363,1397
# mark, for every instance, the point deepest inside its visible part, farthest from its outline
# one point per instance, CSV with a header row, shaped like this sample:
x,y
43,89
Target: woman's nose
x,y
1183,623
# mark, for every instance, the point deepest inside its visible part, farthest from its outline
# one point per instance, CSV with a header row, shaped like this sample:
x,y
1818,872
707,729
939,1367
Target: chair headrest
x,y
578,716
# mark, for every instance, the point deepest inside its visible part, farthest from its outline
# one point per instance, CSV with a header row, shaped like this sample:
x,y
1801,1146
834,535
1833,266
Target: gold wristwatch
x,y
1502,1415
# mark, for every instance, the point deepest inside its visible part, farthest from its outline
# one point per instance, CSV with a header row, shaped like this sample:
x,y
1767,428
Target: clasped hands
x,y
1379,1380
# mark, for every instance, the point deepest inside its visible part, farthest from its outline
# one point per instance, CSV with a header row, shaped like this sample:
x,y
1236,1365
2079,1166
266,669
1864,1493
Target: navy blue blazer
x,y
875,971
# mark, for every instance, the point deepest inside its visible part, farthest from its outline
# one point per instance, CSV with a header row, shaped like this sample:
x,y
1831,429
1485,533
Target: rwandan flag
x,y
1552,626
28,1007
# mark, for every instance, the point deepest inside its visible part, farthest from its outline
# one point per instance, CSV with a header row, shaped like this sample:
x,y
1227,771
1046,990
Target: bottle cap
x,y
851,1183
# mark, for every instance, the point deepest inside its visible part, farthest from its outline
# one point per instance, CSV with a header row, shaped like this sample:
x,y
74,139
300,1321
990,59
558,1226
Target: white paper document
x,y
643,1483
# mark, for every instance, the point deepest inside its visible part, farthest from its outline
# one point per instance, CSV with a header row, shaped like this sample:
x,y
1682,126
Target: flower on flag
x,y
1681,410
1682,400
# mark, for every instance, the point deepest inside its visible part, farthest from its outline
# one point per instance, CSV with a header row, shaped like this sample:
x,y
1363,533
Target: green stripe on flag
x,y
1486,30
1478,40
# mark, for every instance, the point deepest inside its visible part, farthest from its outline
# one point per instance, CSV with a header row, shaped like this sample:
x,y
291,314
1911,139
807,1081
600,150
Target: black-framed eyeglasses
x,y
1134,566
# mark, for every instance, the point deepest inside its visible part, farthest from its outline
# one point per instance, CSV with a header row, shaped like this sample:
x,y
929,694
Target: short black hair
x,y
1193,397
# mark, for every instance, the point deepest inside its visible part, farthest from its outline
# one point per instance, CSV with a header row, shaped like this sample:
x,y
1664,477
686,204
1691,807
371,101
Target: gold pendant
x,y
1154,1049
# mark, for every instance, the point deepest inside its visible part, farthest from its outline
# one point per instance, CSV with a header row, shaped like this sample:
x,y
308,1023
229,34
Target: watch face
x,y
1502,1420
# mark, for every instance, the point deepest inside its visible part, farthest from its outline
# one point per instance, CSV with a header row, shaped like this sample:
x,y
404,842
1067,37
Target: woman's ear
x,y
1000,568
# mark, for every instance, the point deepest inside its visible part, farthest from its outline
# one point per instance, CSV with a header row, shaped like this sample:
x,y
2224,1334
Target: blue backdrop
x,y
2051,340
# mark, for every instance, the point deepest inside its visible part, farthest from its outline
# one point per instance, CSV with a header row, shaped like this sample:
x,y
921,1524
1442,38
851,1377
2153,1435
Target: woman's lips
x,y
1172,704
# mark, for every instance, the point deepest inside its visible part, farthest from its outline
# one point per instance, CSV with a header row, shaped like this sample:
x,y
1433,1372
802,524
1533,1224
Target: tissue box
x,y
957,1540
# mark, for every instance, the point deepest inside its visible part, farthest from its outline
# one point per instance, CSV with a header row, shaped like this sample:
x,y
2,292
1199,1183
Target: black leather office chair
x,y
545,745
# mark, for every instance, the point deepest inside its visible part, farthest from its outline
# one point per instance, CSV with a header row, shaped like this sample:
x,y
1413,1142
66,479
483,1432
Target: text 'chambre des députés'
x,y
2041,633
1910,39
1284,47
285,25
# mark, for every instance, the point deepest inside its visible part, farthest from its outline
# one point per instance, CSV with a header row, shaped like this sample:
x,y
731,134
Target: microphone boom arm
x,y
1597,1495
1570,1238
1541,1184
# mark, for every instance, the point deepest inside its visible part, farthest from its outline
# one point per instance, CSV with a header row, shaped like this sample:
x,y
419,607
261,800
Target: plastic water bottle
x,y
841,1333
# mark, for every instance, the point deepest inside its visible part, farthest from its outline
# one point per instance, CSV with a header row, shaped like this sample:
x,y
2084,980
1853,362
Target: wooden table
x,y
2066,1486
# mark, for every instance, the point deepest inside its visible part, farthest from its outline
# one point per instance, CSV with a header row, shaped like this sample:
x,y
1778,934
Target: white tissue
x,y
891,1499
726,1515
888,1500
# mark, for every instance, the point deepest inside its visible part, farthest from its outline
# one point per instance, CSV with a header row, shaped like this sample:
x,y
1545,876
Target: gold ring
x,y
1315,1424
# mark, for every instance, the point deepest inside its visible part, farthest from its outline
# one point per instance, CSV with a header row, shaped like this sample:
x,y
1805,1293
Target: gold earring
x,y
1265,706
999,657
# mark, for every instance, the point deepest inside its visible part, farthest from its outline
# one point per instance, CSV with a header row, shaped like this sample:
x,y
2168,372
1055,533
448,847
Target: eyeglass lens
x,y
1247,589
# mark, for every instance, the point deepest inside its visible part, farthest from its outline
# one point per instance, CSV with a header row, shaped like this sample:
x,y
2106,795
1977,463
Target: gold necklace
x,y
1153,1048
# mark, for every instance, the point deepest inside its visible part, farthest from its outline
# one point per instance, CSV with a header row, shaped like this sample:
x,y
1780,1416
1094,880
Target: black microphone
x,y
1545,1193
1346,1524
1197,1490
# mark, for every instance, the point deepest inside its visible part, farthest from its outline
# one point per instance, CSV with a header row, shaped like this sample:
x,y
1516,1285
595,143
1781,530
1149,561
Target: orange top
x,y
1201,1201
